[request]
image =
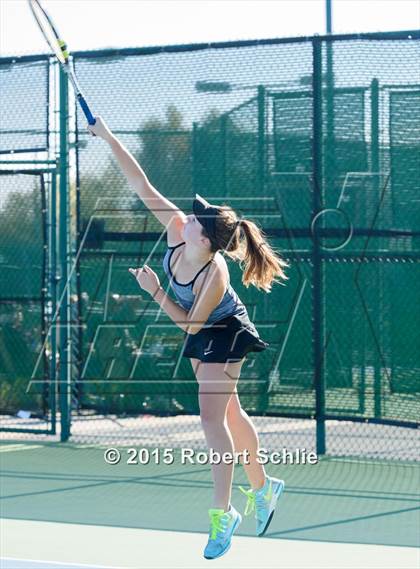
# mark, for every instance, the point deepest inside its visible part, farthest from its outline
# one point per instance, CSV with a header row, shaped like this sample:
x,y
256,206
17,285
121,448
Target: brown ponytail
x,y
243,241
262,266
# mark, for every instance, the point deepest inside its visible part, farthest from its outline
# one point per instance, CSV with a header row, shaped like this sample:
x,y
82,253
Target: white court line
x,y
15,563
132,548
15,448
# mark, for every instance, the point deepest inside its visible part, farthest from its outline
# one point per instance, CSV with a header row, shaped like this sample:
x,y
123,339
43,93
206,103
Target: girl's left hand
x,y
147,279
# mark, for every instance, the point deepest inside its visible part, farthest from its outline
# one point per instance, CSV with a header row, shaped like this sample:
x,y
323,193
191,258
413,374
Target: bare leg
x,y
217,382
245,437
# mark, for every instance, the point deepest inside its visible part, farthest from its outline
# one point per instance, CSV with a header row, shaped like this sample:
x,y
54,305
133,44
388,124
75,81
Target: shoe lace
x,y
254,501
250,503
216,525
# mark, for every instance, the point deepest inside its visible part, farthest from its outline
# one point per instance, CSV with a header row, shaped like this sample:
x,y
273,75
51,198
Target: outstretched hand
x,y
100,129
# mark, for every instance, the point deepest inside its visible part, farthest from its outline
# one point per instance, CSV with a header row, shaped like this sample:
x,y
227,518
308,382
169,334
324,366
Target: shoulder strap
x,y
199,272
176,246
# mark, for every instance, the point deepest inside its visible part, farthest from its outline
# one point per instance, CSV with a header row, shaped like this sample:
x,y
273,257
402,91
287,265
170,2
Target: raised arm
x,y
164,210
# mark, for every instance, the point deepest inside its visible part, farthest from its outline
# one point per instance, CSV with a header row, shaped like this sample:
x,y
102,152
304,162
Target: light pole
x,y
328,9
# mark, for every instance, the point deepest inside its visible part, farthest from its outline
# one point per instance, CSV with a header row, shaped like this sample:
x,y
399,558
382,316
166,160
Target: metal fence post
x,y
317,292
261,139
194,150
53,296
64,252
375,166
223,141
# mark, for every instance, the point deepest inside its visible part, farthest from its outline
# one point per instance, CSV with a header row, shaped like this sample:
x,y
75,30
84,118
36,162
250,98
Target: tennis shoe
x,y
222,526
264,502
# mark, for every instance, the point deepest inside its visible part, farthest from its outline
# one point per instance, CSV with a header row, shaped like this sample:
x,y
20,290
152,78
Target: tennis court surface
x,y
64,507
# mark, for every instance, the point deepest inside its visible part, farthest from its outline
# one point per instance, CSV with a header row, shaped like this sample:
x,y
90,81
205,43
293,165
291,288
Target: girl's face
x,y
193,232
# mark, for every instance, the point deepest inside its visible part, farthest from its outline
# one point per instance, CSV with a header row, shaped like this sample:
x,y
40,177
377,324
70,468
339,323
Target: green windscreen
x,y
317,141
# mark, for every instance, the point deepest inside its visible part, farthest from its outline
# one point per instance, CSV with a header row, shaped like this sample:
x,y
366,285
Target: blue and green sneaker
x,y
264,502
222,526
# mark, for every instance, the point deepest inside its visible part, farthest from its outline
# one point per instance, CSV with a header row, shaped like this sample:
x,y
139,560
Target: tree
x,y
165,154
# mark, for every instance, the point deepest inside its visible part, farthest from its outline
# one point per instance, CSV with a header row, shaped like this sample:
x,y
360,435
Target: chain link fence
x,y
315,139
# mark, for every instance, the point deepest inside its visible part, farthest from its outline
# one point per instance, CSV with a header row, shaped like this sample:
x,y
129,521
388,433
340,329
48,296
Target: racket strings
x,y
47,28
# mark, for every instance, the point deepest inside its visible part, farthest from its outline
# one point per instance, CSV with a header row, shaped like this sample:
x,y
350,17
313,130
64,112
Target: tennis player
x,y
219,333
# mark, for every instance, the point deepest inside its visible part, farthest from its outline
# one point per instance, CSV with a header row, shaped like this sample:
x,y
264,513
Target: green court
x,y
50,492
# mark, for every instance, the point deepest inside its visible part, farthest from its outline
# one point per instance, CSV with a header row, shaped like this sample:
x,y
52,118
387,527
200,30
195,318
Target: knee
x,y
210,419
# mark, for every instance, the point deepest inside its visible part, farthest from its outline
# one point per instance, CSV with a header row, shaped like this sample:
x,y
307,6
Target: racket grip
x,y
90,118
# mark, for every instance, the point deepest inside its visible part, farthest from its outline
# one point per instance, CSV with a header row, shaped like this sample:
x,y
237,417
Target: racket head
x,y
49,31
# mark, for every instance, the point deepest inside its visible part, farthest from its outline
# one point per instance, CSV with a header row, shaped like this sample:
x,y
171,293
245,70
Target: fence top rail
x,y
27,171
152,50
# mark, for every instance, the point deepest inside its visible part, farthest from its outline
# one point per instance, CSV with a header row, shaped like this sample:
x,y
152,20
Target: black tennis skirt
x,y
227,340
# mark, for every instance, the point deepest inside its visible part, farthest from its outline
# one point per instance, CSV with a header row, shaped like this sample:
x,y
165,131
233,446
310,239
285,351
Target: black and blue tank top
x,y
229,305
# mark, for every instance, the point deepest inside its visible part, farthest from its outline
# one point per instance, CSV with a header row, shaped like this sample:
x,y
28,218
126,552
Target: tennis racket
x,y
59,48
